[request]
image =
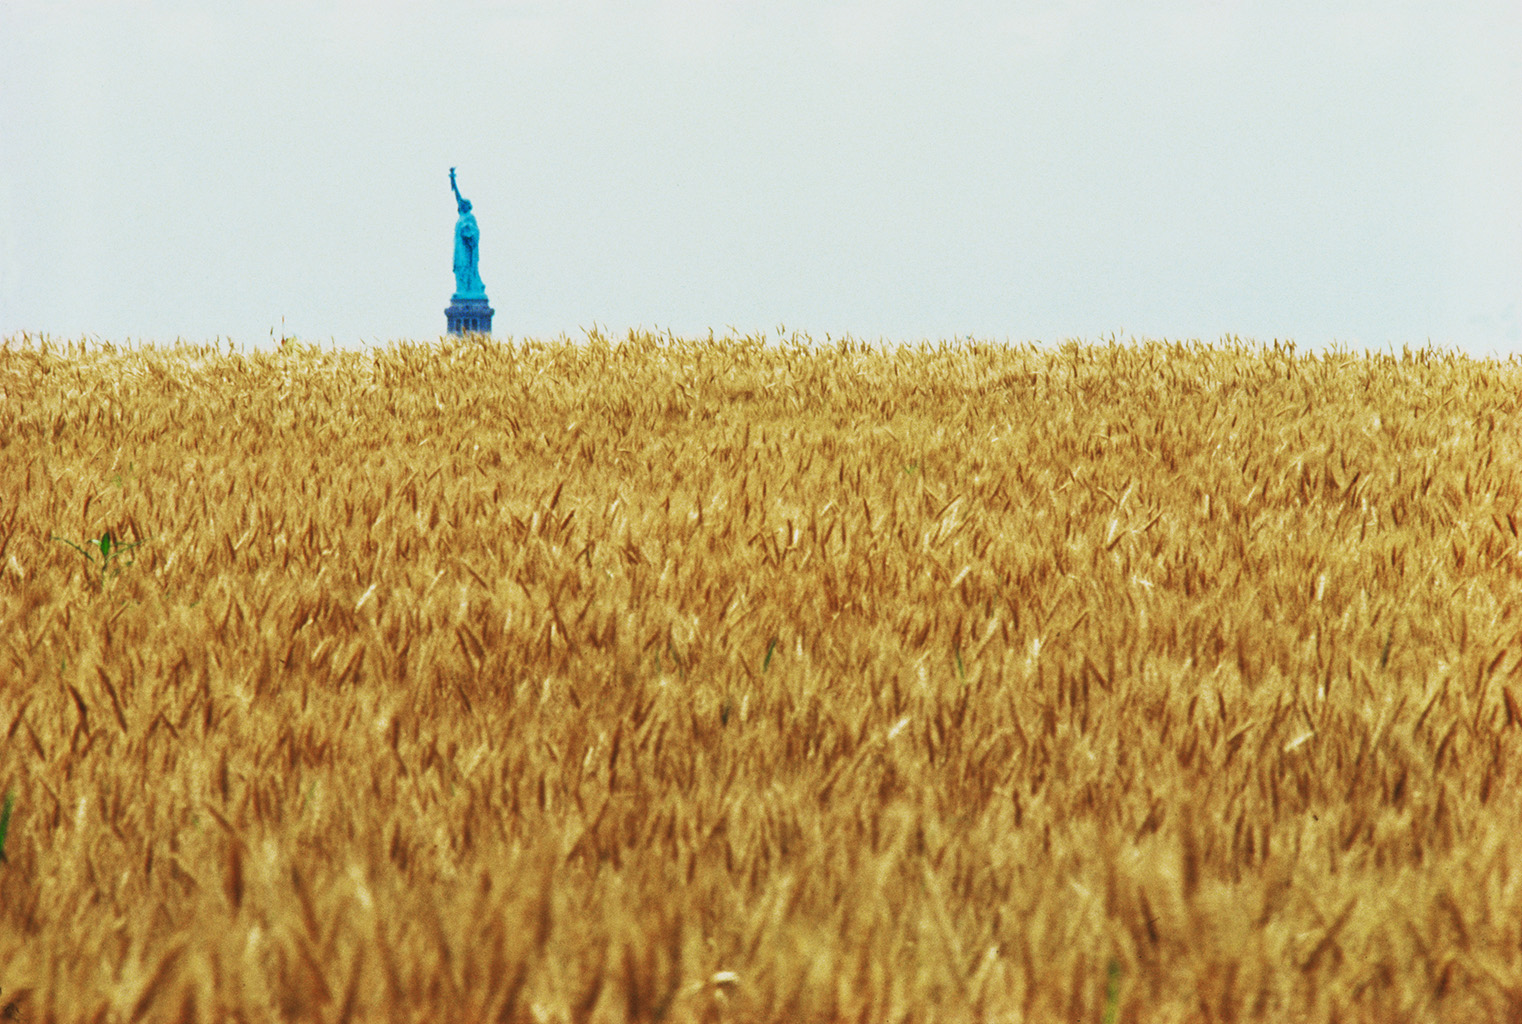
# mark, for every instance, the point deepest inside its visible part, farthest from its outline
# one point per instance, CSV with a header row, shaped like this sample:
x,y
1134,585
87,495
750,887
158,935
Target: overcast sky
x,y
1320,171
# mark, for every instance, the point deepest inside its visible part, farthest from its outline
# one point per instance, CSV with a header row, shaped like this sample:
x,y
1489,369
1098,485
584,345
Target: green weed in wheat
x,y
109,550
5,820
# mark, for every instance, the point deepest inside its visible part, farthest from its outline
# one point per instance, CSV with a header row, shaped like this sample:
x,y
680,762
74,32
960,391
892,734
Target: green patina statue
x,y
467,249
469,311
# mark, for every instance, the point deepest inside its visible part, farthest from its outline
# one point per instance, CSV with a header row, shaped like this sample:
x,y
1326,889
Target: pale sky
x,y
1319,172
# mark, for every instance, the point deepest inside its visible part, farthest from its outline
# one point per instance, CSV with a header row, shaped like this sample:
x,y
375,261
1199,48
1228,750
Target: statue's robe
x,y
467,255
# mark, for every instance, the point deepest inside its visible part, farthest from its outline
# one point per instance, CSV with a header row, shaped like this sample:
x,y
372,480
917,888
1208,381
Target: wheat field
x,y
757,680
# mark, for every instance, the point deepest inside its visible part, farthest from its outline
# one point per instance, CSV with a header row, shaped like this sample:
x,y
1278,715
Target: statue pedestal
x,y
469,316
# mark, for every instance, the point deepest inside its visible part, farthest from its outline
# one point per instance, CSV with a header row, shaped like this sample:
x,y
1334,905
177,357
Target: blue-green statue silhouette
x,y
467,250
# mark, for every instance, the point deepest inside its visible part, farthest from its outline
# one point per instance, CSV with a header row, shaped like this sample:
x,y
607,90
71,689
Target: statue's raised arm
x,y
459,199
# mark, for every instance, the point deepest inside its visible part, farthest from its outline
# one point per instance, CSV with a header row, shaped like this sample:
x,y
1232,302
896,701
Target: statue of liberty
x,y
467,249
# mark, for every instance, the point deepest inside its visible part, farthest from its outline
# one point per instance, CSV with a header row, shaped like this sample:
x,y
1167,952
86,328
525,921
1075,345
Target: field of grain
x,y
744,680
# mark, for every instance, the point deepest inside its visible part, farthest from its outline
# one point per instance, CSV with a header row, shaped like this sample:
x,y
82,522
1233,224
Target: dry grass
x,y
739,681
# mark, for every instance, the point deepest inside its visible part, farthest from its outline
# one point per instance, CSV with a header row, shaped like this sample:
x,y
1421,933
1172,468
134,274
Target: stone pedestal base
x,y
469,316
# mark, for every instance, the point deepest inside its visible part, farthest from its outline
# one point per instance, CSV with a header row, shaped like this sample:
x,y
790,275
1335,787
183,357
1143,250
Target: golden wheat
x,y
726,680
